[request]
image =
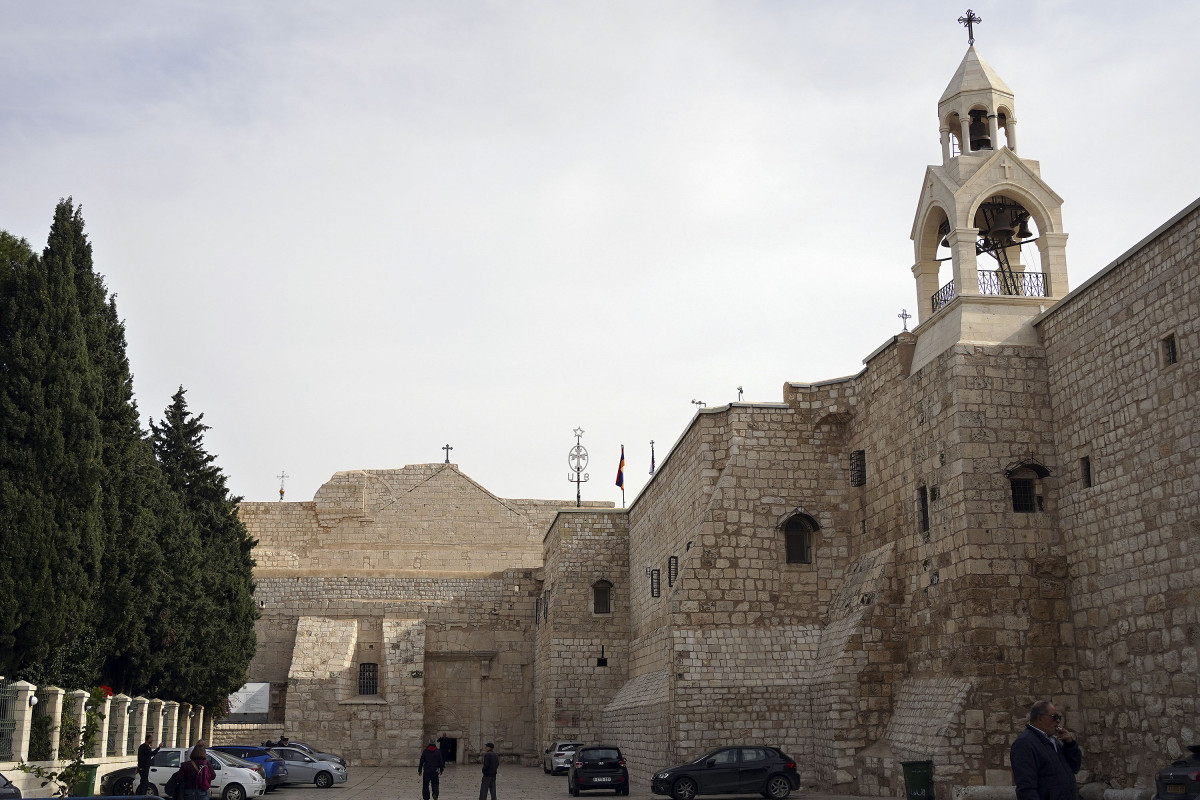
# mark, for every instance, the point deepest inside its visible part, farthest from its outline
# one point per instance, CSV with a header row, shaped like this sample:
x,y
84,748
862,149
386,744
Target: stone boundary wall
x,y
1132,536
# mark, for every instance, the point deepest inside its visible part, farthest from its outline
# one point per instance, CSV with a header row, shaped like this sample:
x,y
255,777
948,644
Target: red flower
x,y
107,691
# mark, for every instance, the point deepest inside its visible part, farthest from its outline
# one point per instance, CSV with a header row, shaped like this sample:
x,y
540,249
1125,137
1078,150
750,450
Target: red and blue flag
x,y
621,469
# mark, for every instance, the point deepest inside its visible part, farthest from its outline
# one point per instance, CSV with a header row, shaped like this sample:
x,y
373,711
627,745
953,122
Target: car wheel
x,y
123,786
573,789
149,788
684,789
323,780
233,791
624,790
545,770
778,787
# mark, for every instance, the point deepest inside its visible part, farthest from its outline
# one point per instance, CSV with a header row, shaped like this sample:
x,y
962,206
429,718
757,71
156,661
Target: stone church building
x,y
1003,505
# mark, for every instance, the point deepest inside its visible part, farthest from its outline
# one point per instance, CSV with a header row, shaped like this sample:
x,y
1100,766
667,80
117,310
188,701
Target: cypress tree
x,y
51,448
222,612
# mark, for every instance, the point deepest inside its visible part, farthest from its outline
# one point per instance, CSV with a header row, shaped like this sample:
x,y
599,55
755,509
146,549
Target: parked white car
x,y
558,758
235,779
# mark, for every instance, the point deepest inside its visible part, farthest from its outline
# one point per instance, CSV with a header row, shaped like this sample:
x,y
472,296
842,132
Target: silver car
x,y
303,768
558,758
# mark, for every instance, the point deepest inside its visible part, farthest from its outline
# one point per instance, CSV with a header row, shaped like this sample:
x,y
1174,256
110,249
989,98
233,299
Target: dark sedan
x,y
1180,780
729,770
8,790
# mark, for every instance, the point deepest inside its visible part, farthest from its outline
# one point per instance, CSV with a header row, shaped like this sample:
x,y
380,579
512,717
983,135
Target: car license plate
x,y
602,780
1175,788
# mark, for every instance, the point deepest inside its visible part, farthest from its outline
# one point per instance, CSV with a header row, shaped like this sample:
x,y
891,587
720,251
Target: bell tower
x,y
989,246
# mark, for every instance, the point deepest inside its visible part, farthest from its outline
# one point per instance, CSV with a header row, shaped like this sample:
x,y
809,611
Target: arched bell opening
x,y
1006,125
979,129
1007,260
954,123
934,268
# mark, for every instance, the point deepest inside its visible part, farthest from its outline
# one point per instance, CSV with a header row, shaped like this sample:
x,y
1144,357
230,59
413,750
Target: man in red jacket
x,y
430,767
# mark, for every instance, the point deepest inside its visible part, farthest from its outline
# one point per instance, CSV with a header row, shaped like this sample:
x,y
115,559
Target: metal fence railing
x,y
8,718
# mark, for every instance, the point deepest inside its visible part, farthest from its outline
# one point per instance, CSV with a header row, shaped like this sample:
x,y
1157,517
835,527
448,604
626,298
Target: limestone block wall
x,y
1133,536
471,676
573,687
637,717
981,594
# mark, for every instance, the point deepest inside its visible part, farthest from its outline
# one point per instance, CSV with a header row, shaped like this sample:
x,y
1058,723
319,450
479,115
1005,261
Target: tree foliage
x,y
129,543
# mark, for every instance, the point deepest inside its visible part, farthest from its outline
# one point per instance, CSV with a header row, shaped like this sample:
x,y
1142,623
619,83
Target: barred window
x,y
1170,352
1085,471
923,507
1023,495
602,597
655,589
797,536
858,468
368,678
672,570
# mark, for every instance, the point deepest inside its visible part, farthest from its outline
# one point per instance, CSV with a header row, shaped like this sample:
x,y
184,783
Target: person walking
x,y
1045,757
429,768
145,757
444,745
196,776
491,763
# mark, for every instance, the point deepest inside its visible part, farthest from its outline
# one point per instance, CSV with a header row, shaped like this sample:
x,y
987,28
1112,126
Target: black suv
x,y
1180,780
597,766
729,770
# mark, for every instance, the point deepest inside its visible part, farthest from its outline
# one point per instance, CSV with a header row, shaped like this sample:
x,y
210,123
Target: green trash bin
x,y
86,785
918,780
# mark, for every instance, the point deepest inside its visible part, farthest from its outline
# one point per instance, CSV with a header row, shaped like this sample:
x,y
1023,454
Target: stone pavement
x,y
461,782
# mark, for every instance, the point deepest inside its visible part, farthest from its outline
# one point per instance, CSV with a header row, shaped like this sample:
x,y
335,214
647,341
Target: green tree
x,y
51,523
222,614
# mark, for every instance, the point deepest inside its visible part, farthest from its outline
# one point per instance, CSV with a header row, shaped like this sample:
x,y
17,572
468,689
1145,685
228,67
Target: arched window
x,y
602,597
1025,485
798,533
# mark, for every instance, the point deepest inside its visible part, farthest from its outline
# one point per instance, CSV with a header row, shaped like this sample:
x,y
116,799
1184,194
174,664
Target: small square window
x,y
935,494
1085,471
1170,353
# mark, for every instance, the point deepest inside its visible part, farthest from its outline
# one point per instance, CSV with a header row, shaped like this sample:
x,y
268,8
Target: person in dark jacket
x,y
1045,757
145,756
491,764
429,768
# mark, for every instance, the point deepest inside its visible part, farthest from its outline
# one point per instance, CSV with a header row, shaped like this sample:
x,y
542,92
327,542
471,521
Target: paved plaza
x,y
461,782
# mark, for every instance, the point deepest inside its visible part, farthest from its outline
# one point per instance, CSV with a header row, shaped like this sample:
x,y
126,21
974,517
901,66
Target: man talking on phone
x,y
1045,757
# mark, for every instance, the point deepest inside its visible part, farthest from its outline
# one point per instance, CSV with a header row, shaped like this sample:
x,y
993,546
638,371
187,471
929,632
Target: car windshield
x,y
599,754
233,761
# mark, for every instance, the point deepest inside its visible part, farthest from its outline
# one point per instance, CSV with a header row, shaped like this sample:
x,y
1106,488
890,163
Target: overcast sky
x,y
358,231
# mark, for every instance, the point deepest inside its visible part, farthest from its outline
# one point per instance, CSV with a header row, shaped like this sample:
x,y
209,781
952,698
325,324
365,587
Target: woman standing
x,y
196,776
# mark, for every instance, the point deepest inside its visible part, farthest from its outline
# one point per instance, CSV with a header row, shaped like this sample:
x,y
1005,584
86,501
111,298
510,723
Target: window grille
x,y
1170,353
655,589
923,507
602,597
537,611
1085,471
110,746
797,535
858,468
1023,495
131,730
368,678
672,570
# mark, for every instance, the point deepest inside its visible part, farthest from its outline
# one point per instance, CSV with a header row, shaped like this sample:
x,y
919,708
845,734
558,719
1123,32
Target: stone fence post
x,y
138,719
52,698
171,724
76,705
22,717
101,748
119,724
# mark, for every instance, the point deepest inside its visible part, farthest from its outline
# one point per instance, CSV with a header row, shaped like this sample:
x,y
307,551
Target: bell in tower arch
x,y
981,138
